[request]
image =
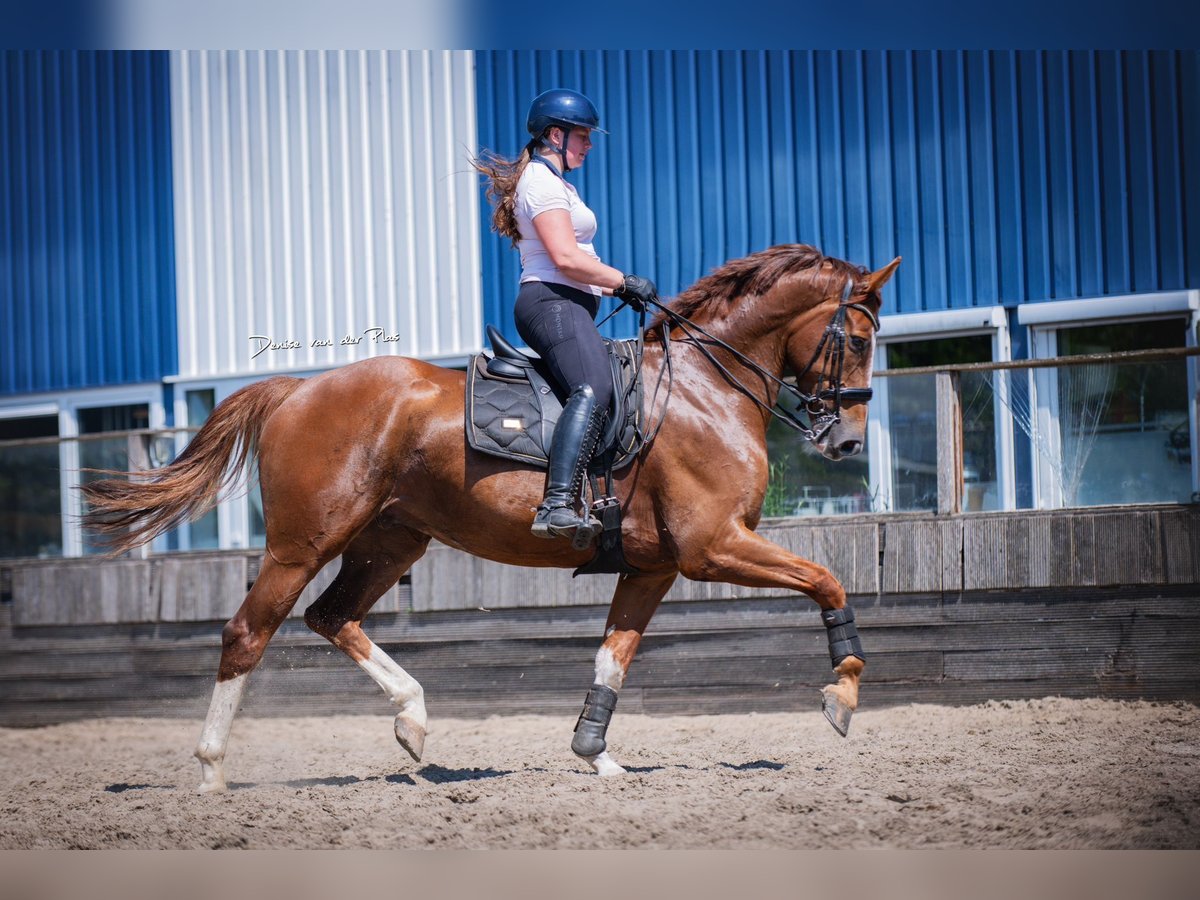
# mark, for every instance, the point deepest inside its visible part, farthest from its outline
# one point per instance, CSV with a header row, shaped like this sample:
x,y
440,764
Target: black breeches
x,y
558,323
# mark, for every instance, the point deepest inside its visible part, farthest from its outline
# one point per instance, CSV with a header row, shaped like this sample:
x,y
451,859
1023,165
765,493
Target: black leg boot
x,y
575,438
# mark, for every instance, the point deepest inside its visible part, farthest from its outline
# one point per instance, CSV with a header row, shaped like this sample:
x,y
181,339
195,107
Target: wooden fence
x,y
953,609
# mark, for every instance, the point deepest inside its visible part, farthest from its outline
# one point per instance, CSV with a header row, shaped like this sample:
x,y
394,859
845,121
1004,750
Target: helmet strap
x,y
561,151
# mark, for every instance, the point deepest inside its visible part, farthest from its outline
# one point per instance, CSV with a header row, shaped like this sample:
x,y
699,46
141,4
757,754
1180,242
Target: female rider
x,y
562,279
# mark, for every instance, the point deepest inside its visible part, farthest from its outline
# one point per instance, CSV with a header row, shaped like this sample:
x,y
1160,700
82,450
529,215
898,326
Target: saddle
x,y
513,406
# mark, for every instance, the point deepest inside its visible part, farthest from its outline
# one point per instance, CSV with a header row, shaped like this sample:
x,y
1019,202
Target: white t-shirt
x,y
538,190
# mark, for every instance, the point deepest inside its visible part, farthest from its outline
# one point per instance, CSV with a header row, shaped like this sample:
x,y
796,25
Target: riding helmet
x,y
562,107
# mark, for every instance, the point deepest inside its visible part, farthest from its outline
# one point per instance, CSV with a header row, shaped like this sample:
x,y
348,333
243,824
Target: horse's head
x,y
831,351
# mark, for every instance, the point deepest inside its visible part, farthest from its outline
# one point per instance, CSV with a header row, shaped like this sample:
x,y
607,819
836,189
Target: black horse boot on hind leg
x,y
575,438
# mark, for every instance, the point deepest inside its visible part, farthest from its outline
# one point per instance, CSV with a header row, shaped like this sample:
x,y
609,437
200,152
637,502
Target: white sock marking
x,y
214,738
608,671
605,765
402,689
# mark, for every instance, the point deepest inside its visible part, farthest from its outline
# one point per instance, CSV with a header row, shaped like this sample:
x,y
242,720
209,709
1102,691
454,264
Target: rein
x,y
831,350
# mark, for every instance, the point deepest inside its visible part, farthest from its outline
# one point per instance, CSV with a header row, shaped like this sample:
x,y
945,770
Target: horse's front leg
x,y
739,556
634,602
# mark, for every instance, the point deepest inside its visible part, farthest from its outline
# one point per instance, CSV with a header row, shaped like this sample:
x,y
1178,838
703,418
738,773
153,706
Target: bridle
x,y
833,348
830,353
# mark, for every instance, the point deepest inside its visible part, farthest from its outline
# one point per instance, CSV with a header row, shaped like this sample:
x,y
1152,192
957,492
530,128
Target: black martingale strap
x,y
593,722
842,634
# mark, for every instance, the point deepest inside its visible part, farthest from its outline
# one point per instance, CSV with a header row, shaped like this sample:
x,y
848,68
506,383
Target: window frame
x,y
1045,320
939,325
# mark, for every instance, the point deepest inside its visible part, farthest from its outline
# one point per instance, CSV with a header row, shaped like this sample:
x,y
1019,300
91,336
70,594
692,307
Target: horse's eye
x,y
858,345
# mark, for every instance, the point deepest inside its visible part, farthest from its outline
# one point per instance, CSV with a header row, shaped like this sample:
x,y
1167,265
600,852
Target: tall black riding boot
x,y
575,438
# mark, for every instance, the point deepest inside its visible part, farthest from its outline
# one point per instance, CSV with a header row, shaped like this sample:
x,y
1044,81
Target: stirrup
x,y
582,530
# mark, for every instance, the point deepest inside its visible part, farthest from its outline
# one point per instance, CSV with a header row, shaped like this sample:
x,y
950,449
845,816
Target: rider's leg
x,y
575,438
557,322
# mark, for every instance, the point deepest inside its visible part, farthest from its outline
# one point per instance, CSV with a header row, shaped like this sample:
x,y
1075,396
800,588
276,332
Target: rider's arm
x,y
557,235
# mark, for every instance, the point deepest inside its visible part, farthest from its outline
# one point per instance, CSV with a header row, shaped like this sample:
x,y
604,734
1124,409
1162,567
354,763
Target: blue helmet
x,y
564,108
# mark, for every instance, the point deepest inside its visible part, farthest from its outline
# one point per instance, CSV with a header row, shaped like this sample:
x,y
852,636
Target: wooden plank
x,y
91,592
1180,530
952,555
1016,550
1041,556
1081,563
985,554
888,610
1128,548
71,662
782,643
1051,665
912,557
201,589
949,443
690,700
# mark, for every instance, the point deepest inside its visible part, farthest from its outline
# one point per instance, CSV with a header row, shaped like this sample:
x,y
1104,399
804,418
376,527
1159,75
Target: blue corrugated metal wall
x,y
87,282
1000,177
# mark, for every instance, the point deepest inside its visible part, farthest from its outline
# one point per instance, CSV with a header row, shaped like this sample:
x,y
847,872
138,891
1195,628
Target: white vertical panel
x,y
320,195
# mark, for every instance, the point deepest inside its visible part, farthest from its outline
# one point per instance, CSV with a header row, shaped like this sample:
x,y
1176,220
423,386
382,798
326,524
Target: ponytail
x,y
502,176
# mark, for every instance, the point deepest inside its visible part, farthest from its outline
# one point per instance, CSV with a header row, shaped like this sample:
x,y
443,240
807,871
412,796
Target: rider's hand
x,y
637,292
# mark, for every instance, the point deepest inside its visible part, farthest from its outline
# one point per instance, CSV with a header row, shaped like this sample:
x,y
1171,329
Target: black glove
x,y
637,292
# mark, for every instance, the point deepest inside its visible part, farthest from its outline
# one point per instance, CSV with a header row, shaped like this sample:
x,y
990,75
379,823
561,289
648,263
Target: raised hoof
x,y
411,736
837,712
211,787
604,765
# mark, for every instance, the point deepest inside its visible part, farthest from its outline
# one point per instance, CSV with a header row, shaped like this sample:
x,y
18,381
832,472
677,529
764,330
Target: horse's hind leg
x,y
243,641
372,563
633,604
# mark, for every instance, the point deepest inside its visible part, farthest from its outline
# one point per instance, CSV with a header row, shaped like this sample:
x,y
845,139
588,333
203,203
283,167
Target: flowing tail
x,y
130,513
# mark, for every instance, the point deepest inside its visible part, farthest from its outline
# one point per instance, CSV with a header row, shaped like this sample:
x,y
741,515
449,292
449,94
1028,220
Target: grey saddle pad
x,y
513,415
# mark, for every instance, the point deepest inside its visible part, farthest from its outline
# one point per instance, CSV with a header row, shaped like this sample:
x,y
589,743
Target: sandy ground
x,y
1044,773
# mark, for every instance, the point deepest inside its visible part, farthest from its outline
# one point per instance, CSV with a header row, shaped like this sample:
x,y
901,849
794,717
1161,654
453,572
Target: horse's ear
x,y
878,279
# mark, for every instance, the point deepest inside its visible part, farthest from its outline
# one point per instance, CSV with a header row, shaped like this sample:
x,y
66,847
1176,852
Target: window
x,y
903,427
203,534
804,483
236,521
1115,432
111,454
912,404
30,489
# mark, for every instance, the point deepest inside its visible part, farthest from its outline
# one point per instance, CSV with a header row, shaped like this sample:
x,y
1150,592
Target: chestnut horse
x,y
369,462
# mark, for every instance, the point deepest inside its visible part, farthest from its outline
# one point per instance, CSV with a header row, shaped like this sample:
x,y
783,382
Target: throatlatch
x,y
842,634
593,721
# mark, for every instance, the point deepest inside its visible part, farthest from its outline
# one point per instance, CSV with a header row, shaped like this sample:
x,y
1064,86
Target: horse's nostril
x,y
849,448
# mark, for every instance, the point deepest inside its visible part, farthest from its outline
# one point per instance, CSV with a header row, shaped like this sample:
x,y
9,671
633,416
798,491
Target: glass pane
x,y
114,418
30,496
912,407
199,405
110,454
981,484
202,534
1121,337
1125,434
258,527
1125,429
107,455
804,483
